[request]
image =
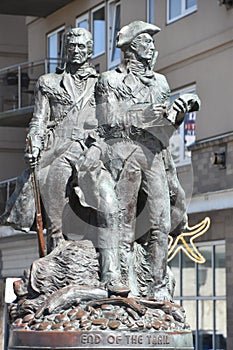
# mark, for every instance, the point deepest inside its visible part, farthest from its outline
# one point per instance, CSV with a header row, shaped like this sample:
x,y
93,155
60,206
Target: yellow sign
x,y
185,242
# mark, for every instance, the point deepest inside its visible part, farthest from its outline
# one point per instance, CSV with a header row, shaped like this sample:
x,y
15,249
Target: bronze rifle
x,y
36,191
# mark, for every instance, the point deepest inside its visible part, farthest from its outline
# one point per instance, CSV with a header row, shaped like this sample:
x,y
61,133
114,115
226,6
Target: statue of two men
x,y
120,163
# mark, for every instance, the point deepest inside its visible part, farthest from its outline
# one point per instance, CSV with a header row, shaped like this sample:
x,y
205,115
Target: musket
x,y
36,192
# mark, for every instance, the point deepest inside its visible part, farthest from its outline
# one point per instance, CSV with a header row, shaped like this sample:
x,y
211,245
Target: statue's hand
x,y
32,157
33,149
159,110
154,112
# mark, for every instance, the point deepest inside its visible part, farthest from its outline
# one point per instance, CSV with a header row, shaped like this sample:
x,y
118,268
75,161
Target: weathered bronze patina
x,y
103,145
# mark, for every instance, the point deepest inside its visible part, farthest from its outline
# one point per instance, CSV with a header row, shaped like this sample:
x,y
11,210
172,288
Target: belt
x,y
74,134
119,131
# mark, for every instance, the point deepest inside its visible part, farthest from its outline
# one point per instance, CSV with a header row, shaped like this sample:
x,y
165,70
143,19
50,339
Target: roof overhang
x,y
37,8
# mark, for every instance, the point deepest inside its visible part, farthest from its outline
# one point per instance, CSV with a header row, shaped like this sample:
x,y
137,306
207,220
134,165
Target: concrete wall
x,y
13,40
12,143
209,177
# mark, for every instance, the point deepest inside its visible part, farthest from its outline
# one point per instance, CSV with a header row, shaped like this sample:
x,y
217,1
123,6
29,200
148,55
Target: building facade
x,y
195,53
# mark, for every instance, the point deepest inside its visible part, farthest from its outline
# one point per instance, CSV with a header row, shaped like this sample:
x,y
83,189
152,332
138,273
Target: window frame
x,y
111,31
184,12
198,299
150,11
55,60
95,9
84,17
56,31
183,160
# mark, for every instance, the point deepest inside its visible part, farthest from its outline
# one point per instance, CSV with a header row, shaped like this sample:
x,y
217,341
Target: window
x,y
177,9
201,289
55,48
150,11
98,30
114,53
82,21
185,135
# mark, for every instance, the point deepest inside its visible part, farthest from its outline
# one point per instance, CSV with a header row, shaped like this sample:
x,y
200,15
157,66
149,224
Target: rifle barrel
x,y
39,221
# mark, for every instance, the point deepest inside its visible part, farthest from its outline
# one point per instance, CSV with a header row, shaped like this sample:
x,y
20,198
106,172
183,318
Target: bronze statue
x,y
135,124
64,115
104,146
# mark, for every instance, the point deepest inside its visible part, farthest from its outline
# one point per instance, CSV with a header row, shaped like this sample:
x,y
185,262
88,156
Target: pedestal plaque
x,y
21,339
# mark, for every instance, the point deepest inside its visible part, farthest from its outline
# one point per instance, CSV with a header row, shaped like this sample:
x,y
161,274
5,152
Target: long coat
x,y
124,107
64,112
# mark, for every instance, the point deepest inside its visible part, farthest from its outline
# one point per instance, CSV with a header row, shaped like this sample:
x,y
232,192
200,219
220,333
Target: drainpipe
x,y
19,87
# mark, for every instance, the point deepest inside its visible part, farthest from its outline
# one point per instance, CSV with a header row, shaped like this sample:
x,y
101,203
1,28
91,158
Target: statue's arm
x,y
38,124
173,112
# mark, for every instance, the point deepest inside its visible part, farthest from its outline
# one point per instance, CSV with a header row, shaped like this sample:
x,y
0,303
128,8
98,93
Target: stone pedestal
x,y
36,340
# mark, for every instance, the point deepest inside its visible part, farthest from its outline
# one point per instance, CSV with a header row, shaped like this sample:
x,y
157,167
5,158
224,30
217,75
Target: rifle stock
x,y
39,221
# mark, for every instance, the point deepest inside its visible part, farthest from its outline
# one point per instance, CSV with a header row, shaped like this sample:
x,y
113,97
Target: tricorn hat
x,y
130,31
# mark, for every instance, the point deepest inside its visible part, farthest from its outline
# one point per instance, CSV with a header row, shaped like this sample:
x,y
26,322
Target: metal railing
x,y
6,189
17,83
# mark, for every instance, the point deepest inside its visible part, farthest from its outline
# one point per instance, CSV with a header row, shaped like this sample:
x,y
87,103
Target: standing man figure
x,y
64,115
135,124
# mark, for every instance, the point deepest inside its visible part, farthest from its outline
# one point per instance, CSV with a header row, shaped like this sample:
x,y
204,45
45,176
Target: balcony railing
x,y
6,189
17,83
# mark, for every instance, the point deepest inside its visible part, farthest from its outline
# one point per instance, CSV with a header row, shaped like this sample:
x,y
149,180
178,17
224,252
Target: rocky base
x,y
61,304
109,314
105,323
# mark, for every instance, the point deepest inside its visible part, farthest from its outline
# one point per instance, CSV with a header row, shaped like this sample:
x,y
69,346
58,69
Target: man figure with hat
x,y
135,124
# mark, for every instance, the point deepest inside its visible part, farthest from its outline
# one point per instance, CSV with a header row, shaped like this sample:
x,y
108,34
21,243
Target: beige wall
x,y
195,32
132,10
13,40
214,85
199,49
